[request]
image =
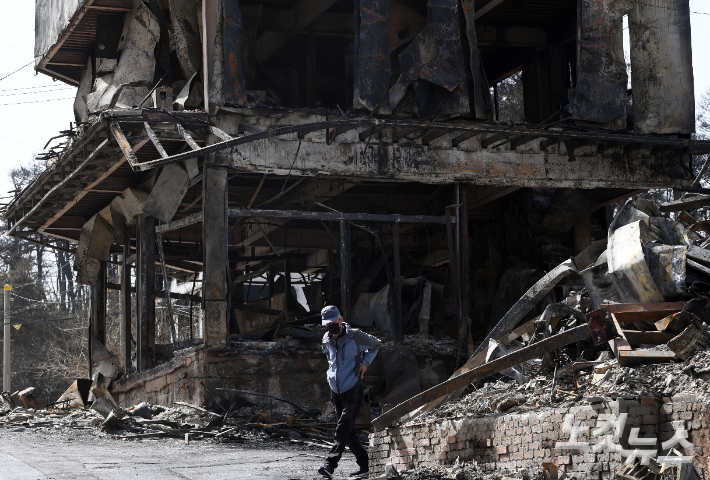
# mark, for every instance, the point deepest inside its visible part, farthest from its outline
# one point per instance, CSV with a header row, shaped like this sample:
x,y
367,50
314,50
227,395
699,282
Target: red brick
x,y
648,401
501,450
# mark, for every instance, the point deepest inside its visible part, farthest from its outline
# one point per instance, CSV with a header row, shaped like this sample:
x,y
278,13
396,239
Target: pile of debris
x,y
98,411
634,323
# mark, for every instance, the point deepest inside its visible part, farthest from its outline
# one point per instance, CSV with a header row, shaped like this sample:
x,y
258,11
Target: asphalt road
x,y
88,455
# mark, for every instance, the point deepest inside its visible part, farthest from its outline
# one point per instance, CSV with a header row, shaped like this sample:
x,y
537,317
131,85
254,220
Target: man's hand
x,y
363,369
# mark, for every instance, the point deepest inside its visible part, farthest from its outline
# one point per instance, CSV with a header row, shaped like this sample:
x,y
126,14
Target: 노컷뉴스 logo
x,y
610,428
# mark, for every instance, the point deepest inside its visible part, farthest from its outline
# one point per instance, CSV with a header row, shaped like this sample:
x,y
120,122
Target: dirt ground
x,y
34,454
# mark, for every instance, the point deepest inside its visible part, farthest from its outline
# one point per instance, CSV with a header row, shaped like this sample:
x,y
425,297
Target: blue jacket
x,y
345,355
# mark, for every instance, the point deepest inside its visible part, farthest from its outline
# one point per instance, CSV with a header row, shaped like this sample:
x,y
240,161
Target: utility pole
x,y
6,342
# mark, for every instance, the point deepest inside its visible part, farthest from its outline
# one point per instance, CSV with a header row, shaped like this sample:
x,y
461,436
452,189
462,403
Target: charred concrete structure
x,y
352,142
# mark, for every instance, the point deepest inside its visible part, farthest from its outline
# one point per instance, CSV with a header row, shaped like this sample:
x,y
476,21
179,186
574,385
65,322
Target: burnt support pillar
x,y
345,269
125,328
145,293
662,67
465,340
97,315
398,333
98,305
216,260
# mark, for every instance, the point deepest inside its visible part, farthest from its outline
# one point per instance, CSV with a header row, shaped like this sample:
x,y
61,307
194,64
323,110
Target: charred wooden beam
x,y
538,349
367,133
694,146
336,216
400,133
181,223
432,135
462,138
124,144
522,140
145,289
496,137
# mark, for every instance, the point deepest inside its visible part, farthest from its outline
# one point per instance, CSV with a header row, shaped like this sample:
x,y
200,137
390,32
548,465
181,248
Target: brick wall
x,y
515,441
184,379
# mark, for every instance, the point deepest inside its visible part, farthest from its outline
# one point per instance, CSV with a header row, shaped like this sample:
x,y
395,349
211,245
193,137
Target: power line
x,y
35,92
24,66
13,141
33,88
36,101
18,45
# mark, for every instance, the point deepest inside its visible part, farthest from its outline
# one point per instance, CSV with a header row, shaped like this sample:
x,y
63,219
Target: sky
x,y
25,127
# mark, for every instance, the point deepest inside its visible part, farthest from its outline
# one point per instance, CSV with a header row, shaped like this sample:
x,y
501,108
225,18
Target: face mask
x,y
333,328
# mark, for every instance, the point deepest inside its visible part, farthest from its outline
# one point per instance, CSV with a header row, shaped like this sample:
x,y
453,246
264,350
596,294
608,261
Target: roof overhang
x,y
65,34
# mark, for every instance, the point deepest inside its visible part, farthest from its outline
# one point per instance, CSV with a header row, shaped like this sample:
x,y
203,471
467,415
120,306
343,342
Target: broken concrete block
x,y
94,245
129,204
627,263
168,192
95,239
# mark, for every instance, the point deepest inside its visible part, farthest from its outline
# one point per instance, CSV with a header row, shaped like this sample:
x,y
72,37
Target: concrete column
x,y
662,67
214,244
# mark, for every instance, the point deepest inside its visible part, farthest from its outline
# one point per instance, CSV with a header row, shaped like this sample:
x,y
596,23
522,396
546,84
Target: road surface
x,y
89,455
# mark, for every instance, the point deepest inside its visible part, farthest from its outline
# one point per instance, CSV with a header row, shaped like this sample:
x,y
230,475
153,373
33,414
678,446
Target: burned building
x,y
352,150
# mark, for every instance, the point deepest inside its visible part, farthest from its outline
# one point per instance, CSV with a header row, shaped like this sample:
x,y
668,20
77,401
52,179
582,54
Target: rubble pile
x,y
182,420
633,323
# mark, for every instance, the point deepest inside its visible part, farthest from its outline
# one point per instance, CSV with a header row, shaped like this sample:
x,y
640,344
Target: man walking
x,y
349,352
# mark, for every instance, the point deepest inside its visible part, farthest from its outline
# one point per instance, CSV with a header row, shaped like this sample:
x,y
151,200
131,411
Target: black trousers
x,y
347,405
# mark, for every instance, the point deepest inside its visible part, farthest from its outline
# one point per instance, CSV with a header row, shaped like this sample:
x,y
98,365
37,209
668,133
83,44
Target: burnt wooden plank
x,y
538,349
432,135
496,137
124,144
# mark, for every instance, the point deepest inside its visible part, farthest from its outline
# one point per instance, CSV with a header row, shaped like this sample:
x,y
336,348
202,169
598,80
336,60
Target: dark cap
x,y
329,314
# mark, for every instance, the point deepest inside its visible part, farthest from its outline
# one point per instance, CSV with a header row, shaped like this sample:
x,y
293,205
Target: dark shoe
x,y
326,471
363,472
